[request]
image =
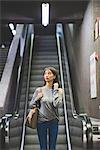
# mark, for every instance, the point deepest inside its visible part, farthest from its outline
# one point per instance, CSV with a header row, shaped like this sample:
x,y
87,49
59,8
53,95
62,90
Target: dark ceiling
x,y
29,11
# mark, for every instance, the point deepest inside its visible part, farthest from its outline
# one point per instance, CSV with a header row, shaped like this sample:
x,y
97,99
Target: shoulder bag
x,y
32,120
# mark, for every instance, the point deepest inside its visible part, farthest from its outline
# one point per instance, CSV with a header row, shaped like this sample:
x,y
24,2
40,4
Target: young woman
x,y
48,99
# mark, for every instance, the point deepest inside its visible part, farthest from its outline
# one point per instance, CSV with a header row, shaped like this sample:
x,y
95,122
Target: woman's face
x,y
49,76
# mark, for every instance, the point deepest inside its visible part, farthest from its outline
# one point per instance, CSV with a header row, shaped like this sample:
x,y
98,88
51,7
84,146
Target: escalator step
x,y
36,147
33,139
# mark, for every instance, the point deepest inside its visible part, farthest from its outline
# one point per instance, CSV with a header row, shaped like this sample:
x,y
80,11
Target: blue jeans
x,y
42,134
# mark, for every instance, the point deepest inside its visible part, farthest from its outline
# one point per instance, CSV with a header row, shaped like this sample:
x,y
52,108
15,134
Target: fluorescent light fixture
x,y
13,32
11,26
3,46
45,14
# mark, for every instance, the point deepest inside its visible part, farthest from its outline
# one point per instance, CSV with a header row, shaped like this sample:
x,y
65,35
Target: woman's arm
x,y
36,96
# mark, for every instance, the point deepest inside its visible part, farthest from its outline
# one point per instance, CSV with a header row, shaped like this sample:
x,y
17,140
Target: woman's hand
x,y
61,90
39,95
30,116
56,85
32,111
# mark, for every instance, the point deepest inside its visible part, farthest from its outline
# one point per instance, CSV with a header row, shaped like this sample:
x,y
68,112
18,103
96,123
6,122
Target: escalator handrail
x,y
68,75
27,93
16,105
62,81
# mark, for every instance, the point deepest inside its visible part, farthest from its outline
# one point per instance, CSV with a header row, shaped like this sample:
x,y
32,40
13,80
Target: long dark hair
x,y
55,73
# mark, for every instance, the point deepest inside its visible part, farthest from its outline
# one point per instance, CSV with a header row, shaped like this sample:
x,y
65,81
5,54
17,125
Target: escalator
x,y
44,54
3,57
16,123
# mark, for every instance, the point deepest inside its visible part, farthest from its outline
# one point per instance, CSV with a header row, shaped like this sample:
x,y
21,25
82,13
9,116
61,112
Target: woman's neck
x,y
49,84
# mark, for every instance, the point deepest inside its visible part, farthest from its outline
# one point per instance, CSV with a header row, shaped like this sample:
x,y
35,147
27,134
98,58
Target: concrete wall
x,y
80,47
95,105
83,45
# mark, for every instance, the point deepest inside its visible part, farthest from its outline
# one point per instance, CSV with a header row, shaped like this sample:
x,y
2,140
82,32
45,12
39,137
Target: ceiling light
x,y
11,26
13,32
3,46
45,14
